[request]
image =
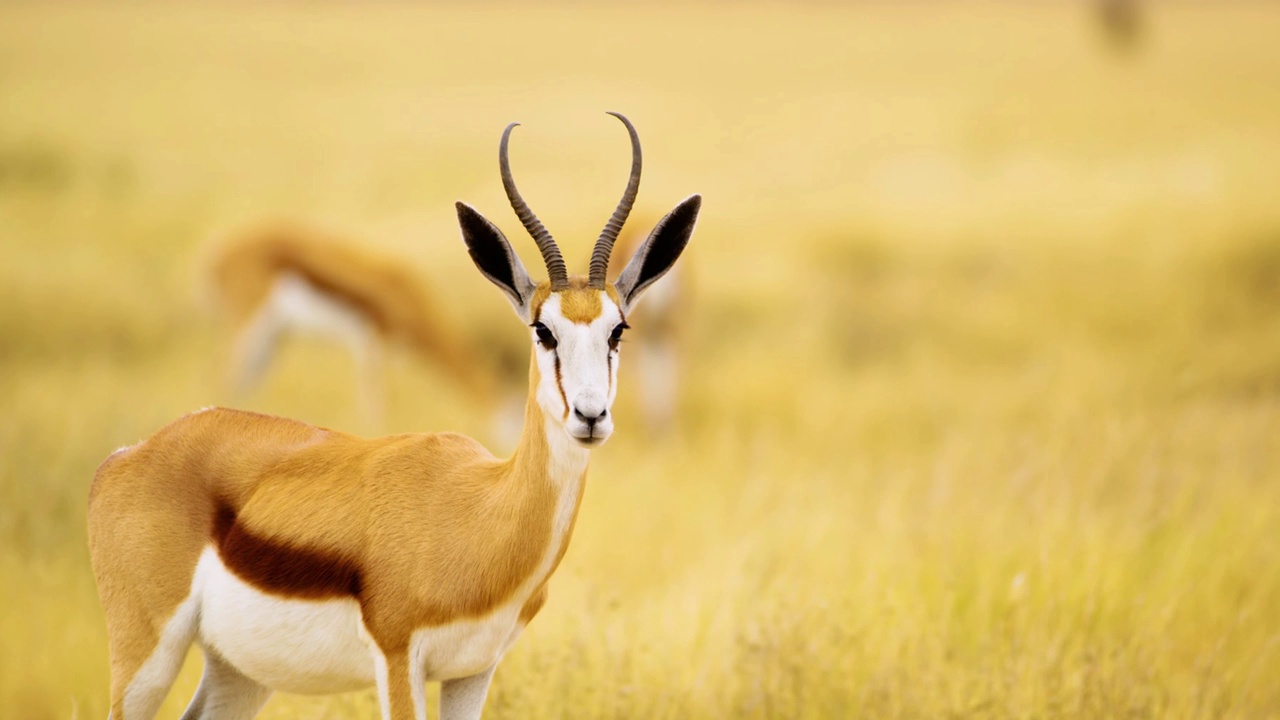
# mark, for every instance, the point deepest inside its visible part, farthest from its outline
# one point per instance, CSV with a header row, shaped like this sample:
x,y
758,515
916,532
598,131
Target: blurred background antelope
x,y
283,278
978,402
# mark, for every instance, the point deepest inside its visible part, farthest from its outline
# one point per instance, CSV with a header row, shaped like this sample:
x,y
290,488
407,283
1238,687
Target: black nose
x,y
590,421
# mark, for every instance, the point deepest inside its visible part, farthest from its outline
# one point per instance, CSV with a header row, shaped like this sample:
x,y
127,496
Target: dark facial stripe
x,y
560,387
537,317
275,567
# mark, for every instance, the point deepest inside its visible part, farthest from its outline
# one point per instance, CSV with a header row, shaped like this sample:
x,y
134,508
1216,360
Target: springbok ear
x,y
658,253
494,257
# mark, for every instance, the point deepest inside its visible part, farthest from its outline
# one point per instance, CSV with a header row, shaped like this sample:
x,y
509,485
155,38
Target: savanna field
x,y
981,395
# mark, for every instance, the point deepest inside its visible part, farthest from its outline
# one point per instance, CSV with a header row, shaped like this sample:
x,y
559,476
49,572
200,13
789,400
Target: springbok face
x,y
575,337
576,323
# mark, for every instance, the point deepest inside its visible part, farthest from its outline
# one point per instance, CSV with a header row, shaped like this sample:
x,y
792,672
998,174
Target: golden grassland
x,y
982,411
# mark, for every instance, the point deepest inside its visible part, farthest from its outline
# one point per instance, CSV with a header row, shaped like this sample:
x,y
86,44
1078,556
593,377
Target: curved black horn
x,y
550,251
604,245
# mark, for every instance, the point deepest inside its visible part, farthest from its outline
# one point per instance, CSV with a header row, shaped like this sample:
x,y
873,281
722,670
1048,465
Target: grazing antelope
x,y
279,277
307,560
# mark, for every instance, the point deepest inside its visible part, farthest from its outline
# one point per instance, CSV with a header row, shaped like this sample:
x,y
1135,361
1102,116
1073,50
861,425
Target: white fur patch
x,y
462,649
566,466
151,683
298,646
384,684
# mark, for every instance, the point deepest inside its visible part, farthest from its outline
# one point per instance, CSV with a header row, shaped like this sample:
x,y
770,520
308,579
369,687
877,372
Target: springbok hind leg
x,y
140,679
463,698
225,693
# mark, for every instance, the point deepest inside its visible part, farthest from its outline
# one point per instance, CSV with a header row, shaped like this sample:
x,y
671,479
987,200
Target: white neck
x,y
567,460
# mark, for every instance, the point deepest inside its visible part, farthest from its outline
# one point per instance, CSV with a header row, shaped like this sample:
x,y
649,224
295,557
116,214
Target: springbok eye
x,y
615,337
545,338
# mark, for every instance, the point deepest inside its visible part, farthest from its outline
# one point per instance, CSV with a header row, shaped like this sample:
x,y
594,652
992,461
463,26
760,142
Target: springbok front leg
x,y
400,695
463,698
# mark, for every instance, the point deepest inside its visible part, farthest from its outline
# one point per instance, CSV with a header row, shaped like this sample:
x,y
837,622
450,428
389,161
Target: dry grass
x,y
983,416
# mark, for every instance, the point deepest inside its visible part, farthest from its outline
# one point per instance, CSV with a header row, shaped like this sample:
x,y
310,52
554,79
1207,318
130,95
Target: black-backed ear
x,y
494,257
659,252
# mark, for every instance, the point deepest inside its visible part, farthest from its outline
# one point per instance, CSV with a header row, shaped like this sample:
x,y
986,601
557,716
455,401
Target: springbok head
x,y
576,322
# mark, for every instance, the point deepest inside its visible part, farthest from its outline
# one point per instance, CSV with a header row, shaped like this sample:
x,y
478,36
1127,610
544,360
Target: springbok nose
x,y
587,418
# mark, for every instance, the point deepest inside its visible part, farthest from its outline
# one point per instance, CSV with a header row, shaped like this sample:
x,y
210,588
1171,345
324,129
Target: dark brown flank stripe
x,y
275,567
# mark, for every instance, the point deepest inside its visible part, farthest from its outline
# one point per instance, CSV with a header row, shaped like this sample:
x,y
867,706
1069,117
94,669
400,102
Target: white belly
x,y
322,646
299,646
466,647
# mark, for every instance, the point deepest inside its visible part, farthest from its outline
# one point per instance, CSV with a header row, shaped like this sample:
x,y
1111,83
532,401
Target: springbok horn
x,y
550,252
604,245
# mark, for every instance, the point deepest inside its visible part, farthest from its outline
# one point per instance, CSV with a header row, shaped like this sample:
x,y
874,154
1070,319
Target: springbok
x,y
307,560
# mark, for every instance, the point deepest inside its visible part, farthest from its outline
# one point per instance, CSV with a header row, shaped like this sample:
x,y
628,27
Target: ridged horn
x,y
604,245
556,271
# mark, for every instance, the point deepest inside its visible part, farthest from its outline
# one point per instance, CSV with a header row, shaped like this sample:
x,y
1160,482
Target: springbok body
x,y
307,560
